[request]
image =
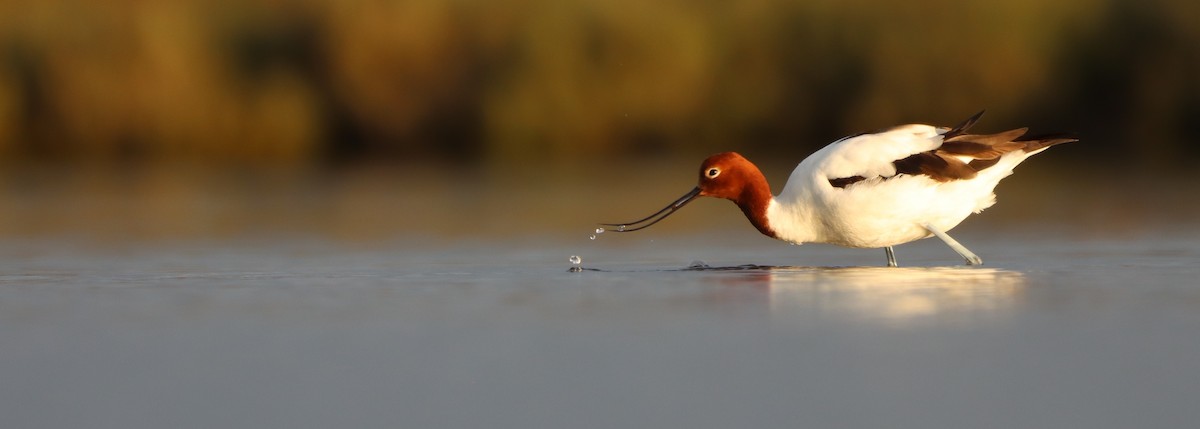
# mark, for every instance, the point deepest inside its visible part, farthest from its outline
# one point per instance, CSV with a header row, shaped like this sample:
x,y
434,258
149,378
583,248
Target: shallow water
x,y
1055,331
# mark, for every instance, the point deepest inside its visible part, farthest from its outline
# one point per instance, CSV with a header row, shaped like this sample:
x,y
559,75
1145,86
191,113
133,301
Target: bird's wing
x,y
942,154
872,154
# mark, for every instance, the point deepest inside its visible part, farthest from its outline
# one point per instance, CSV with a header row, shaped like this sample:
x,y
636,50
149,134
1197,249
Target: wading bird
x,y
872,190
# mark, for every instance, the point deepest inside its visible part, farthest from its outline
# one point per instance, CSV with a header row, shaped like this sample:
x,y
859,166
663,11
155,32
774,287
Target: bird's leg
x,y
891,255
971,258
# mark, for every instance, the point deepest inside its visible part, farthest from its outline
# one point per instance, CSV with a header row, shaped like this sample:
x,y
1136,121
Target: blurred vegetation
x,y
329,82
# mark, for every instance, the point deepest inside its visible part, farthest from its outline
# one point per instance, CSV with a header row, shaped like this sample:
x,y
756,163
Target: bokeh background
x,y
367,119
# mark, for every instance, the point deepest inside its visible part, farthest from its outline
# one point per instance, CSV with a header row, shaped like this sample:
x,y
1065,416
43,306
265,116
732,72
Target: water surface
x,y
1055,331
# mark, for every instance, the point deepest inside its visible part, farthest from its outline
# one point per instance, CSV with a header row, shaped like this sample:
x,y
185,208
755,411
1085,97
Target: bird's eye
x,y
714,172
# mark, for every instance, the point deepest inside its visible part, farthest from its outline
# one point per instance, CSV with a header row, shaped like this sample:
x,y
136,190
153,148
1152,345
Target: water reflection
x,y
894,296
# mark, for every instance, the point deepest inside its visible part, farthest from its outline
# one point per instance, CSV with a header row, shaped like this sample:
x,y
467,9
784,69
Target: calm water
x,y
1055,331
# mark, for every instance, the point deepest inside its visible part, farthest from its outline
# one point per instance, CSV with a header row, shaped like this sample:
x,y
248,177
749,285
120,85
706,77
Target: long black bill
x,y
654,218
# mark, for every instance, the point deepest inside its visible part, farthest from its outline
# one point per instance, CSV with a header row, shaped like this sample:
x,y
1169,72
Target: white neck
x,y
791,224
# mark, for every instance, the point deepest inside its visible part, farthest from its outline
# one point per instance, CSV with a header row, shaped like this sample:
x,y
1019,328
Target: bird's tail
x,y
958,140
1039,142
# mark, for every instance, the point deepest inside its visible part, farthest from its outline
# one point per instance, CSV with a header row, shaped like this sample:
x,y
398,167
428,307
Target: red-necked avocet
x,y
872,190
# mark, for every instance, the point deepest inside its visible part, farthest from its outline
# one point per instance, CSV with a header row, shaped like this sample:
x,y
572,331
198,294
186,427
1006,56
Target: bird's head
x,y
725,175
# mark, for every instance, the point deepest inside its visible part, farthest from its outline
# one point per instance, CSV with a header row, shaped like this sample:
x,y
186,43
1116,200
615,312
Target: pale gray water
x,y
1055,331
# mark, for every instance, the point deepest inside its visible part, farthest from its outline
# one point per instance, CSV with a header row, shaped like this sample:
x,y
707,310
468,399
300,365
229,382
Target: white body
x,y
877,212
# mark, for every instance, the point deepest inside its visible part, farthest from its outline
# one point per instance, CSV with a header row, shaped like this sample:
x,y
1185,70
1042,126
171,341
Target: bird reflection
x,y
894,296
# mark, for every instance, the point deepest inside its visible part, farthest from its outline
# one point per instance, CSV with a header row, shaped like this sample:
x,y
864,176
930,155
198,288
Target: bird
x,y
872,190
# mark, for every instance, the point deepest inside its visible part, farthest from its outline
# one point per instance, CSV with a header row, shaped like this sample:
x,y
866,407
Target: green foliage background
x,y
330,82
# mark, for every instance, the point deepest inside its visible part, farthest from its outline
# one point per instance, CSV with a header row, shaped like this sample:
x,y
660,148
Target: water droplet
x,y
592,237
575,259
599,230
620,228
